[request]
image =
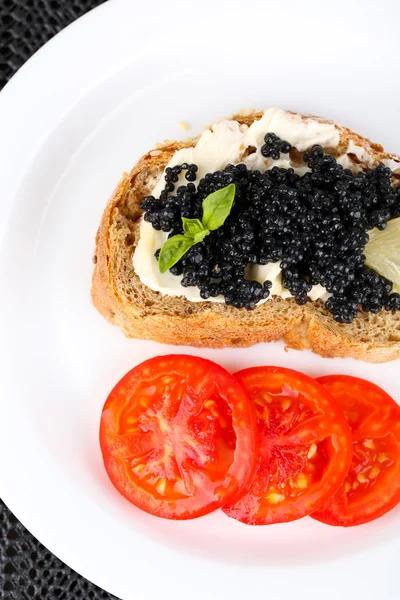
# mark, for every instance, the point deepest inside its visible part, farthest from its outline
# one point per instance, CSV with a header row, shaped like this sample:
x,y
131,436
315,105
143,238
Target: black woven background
x,y
27,570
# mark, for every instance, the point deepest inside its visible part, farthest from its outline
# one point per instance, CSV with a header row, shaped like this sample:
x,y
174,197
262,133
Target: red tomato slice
x,y
372,486
305,447
178,436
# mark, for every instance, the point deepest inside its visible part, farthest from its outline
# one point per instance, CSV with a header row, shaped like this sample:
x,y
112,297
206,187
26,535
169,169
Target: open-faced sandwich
x,y
269,225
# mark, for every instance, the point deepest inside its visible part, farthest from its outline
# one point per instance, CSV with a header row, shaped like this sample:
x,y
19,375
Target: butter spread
x,y
393,164
226,143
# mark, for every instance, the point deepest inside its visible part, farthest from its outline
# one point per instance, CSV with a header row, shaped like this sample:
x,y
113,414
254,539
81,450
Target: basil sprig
x,y
216,209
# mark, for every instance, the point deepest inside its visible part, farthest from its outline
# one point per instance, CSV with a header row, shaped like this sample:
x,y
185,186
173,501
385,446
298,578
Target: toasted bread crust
x,y
123,300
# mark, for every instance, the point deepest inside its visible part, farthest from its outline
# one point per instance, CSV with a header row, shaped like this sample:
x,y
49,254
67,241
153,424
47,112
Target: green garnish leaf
x,y
172,250
199,237
217,206
191,227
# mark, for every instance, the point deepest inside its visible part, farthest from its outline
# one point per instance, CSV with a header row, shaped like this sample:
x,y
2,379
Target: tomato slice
x,y
178,436
372,486
305,447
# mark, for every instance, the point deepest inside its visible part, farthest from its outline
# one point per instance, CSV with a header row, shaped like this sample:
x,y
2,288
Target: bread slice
x,y
140,312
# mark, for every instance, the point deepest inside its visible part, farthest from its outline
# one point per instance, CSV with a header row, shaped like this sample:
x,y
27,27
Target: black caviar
x,y
274,146
315,224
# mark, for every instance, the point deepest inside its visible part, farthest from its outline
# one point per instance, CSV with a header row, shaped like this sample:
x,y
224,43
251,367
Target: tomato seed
x,y
275,498
374,472
302,481
161,486
312,451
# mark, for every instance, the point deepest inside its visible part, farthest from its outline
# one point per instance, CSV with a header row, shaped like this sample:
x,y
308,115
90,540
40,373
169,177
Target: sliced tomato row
x,y
181,437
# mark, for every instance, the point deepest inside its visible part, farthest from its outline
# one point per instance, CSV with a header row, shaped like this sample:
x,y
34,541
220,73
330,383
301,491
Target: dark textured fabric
x,y
25,25
27,569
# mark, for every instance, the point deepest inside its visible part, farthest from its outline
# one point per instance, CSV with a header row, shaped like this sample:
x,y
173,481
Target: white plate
x,y
78,114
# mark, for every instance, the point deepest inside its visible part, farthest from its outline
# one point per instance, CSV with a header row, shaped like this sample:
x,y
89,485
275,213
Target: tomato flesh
x,y
372,486
305,447
178,436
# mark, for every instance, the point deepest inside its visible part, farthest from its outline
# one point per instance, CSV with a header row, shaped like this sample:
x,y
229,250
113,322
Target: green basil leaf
x,y
217,206
199,237
191,227
172,250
